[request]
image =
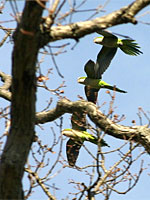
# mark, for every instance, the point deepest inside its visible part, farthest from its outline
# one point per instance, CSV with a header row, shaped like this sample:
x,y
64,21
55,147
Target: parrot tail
x,y
130,47
114,88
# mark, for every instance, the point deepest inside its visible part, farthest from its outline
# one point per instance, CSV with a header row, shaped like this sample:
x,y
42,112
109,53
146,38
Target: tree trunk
x,y
24,56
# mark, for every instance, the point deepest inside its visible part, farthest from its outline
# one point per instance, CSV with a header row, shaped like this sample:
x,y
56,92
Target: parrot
x,y
77,138
110,44
78,121
98,84
128,46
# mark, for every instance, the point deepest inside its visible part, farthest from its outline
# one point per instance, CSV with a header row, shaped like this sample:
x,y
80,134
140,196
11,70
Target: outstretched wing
x,y
78,121
91,93
106,33
103,61
89,69
72,151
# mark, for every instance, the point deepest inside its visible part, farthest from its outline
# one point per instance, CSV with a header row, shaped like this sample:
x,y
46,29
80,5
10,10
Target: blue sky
x,y
127,72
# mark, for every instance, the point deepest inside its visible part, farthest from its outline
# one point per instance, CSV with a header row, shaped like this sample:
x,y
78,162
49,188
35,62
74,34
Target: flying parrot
x,y
73,146
77,138
98,84
128,46
110,44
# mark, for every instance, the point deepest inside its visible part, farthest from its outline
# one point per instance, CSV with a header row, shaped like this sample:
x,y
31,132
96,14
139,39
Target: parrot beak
x,y
98,40
81,80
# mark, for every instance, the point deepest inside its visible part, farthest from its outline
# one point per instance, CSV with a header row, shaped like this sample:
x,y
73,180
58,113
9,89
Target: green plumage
x,y
110,44
98,84
109,40
82,136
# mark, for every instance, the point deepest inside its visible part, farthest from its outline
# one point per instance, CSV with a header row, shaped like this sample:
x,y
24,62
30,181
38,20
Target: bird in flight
x,y
110,44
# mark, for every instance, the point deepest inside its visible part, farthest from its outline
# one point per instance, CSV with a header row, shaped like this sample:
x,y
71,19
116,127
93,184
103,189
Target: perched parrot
x,y
77,138
98,84
110,44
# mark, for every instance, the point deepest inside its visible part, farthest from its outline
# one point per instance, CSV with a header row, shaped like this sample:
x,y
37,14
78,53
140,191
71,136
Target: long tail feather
x,y
114,88
130,47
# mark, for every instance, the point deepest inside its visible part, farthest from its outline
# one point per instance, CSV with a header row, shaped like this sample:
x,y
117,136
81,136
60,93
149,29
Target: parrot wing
x,y
91,93
103,61
106,33
89,69
72,151
78,121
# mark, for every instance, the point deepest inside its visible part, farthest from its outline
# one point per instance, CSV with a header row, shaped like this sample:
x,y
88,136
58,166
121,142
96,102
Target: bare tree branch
x,y
4,90
107,173
80,29
139,134
40,182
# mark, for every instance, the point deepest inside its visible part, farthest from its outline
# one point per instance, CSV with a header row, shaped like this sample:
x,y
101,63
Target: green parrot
x,y
78,121
98,84
77,138
110,44
128,46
